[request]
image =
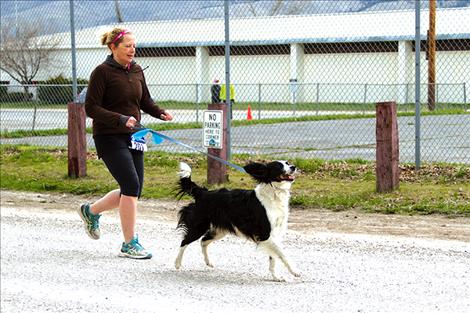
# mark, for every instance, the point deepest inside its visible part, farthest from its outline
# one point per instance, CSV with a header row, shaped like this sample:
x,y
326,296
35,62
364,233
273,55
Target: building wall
x,y
170,78
453,67
335,77
248,72
343,77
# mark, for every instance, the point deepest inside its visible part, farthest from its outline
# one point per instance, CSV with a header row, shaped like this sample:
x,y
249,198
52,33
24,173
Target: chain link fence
x,y
306,74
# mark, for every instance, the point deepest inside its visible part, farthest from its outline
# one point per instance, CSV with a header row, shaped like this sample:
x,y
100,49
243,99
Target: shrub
x,y
3,91
60,89
16,97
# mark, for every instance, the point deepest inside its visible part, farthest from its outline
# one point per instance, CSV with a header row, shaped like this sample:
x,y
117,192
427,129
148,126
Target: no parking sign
x,y
213,129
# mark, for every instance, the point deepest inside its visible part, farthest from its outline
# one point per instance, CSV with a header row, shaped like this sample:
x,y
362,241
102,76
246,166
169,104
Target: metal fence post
x,y
197,102
227,76
317,98
465,94
365,99
33,127
406,96
74,53
259,101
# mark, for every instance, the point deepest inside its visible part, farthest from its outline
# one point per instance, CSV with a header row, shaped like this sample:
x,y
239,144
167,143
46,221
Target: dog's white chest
x,y
276,203
278,220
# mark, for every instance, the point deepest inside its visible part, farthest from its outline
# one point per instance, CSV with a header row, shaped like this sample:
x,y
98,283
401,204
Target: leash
x,y
159,137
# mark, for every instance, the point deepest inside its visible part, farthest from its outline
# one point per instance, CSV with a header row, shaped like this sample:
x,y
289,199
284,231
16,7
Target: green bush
x,y
3,91
16,97
60,89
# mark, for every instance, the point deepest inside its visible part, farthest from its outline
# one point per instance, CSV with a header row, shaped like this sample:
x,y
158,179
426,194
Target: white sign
x,y
293,85
213,129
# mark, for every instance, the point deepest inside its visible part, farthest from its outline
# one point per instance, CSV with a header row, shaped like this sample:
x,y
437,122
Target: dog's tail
x,y
186,185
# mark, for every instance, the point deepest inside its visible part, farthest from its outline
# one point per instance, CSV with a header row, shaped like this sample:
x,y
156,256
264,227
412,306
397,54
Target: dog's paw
x,y
177,265
209,264
294,272
278,279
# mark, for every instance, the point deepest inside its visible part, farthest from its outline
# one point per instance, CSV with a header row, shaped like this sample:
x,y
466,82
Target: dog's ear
x,y
258,171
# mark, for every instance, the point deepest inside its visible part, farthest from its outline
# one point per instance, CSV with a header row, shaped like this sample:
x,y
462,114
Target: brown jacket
x,y
115,93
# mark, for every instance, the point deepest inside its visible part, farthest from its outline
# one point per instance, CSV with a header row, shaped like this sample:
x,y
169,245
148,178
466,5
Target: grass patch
x,y
64,131
334,185
33,133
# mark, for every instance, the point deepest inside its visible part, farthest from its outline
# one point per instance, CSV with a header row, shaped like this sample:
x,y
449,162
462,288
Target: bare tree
x,y
252,8
117,7
23,51
276,8
287,7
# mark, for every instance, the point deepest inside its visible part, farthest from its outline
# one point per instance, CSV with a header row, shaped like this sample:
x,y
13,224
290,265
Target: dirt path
x,y
304,221
348,262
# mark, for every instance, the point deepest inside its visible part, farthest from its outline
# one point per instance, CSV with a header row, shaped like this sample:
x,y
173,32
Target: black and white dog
x,y
259,215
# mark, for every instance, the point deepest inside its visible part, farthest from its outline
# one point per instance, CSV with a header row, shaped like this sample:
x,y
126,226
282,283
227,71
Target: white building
x,y
359,57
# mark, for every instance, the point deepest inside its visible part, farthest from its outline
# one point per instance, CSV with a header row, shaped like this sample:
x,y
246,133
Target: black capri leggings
x,y
126,165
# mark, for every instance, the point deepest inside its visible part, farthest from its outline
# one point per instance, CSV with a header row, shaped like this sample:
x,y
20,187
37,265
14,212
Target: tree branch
x,y
23,51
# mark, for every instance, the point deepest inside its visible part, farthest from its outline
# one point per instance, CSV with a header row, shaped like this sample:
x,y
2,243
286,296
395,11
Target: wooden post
x,y
387,152
216,171
76,140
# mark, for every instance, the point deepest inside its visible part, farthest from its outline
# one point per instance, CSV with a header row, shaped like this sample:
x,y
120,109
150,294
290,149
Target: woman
x,y
116,93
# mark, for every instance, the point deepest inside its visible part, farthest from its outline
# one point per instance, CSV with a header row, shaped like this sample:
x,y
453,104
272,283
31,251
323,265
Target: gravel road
x,y
48,264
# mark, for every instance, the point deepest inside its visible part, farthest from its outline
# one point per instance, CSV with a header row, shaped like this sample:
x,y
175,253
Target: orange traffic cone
x,y
249,117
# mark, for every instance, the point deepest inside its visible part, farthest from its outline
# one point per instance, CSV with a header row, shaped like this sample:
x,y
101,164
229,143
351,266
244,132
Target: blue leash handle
x,y
158,138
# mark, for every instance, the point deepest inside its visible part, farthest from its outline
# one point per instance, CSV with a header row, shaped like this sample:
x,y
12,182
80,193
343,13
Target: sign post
x,y
76,140
387,150
215,140
294,87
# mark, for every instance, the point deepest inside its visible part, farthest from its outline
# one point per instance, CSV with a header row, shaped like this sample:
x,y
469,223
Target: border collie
x,y
259,215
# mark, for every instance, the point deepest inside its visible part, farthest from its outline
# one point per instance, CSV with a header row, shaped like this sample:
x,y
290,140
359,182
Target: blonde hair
x,y
116,35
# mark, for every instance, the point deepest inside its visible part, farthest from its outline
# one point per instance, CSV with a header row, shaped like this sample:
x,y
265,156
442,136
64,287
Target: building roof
x,y
353,27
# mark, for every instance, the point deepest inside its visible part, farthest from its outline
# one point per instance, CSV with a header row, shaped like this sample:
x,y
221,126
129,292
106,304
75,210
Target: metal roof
x,y
353,27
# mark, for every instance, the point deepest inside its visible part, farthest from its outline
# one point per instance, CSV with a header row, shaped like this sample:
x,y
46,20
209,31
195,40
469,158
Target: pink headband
x,y
120,35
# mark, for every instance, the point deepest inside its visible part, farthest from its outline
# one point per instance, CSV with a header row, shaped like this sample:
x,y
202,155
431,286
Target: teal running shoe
x,y
134,250
92,221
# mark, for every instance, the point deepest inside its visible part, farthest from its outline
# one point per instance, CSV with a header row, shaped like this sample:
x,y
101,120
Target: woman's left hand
x,y
166,116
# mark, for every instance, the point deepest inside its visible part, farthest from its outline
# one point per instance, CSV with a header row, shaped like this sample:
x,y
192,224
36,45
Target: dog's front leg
x,y
275,251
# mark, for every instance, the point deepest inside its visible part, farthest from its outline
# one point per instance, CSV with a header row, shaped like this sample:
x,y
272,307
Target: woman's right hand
x,y
130,123
166,116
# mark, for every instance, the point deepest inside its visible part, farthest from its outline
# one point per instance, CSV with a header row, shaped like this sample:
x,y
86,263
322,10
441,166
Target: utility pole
x,y
431,56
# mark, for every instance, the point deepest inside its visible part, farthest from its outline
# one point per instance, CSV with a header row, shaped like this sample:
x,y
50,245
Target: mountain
x,y
54,14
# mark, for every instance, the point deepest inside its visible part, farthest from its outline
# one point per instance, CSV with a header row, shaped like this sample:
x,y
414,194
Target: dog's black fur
x,y
254,214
